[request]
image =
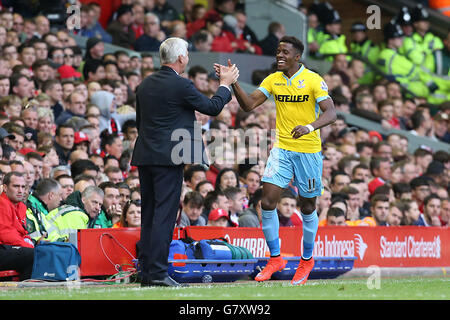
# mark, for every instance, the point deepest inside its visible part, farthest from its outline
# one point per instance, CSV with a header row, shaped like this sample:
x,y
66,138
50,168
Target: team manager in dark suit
x,y
168,139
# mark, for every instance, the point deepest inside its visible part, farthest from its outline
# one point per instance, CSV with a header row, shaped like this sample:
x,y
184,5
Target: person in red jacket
x,y
221,38
16,246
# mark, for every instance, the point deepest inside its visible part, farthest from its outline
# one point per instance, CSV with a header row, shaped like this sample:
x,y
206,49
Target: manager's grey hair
x,y
171,49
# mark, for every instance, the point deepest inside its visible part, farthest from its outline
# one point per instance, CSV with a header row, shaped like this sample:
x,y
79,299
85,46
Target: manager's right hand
x,y
228,75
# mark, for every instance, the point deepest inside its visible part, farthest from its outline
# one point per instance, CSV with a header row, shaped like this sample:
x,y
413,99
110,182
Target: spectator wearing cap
x,y
218,218
120,29
333,42
19,137
67,72
81,142
421,46
440,122
30,138
5,134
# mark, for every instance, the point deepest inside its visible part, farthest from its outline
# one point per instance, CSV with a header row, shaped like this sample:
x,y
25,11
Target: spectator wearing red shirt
x,y
221,39
138,21
16,246
381,170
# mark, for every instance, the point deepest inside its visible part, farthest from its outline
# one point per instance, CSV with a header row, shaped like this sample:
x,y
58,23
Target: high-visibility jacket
x,y
68,219
366,49
38,224
420,83
420,50
333,45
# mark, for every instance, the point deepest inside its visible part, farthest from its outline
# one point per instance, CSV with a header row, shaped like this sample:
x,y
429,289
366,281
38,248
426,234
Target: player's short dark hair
x,y
296,43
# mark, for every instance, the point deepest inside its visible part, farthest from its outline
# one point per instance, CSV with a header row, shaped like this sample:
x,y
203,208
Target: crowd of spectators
x,y
68,128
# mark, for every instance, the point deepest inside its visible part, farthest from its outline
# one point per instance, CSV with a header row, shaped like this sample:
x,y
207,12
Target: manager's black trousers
x,y
17,258
160,196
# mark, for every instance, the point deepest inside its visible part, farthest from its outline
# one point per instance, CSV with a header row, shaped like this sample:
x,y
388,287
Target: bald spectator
x,y
42,26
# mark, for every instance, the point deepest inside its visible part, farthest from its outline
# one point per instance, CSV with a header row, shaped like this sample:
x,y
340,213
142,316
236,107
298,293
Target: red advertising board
x,y
102,249
404,246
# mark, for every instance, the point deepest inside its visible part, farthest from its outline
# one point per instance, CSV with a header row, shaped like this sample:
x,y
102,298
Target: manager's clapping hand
x,y
227,75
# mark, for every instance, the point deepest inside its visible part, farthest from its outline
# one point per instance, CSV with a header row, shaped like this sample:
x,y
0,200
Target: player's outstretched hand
x,y
299,131
218,68
227,75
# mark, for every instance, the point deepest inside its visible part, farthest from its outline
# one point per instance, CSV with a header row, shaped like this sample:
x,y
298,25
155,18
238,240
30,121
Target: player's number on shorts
x,y
311,184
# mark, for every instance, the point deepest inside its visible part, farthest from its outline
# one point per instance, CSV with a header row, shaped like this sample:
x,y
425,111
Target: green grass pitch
x,y
410,288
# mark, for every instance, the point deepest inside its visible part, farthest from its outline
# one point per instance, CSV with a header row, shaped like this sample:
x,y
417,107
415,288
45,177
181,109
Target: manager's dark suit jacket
x,y
166,102
169,137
